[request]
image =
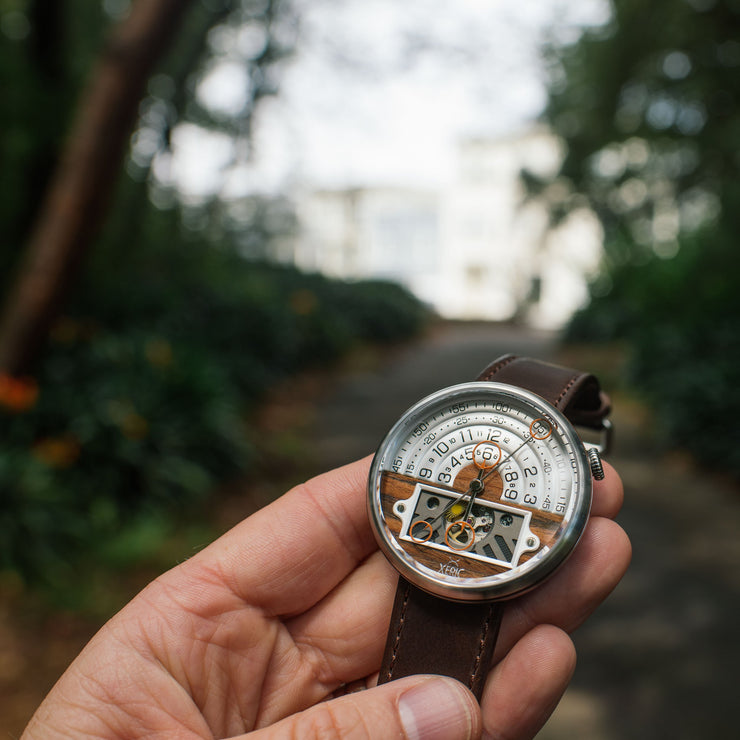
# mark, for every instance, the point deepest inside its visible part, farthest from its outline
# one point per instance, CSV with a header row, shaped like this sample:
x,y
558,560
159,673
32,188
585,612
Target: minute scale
x,y
521,449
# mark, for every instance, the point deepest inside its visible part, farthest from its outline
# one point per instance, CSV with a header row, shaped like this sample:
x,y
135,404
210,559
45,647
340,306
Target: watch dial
x,y
479,491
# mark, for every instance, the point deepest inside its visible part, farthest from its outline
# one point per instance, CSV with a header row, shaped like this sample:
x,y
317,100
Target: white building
x,y
473,250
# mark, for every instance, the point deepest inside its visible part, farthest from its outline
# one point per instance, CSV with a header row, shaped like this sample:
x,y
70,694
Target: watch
x,y
477,494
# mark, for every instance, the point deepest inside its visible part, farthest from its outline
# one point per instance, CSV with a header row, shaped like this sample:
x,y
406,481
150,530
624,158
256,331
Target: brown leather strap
x,y
431,635
576,394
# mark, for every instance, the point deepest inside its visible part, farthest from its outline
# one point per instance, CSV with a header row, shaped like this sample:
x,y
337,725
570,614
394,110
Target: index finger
x,y
608,494
287,556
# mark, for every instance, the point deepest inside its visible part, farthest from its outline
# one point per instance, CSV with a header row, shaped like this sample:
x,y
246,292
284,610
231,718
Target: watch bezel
x,y
523,577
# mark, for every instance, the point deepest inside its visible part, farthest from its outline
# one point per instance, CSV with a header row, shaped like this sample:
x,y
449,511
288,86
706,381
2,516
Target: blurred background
x,y
234,232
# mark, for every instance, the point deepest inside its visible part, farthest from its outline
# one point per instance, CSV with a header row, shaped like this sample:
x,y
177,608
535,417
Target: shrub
x,y
139,404
679,319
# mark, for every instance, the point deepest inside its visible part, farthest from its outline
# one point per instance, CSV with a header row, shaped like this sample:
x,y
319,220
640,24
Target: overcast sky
x,y
379,91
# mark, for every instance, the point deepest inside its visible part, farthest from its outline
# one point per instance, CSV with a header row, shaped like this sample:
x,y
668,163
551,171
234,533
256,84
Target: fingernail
x,y
438,709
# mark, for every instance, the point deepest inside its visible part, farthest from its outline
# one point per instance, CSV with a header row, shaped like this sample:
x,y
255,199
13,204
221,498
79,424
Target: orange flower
x,y
57,452
18,394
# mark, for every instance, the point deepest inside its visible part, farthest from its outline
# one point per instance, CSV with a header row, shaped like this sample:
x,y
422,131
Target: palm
x,y
283,610
245,668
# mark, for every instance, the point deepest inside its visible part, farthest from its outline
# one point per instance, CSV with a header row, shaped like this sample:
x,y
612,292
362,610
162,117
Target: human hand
x,y
258,632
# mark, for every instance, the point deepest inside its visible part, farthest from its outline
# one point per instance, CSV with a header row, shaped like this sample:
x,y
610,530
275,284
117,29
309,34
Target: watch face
x,y
479,491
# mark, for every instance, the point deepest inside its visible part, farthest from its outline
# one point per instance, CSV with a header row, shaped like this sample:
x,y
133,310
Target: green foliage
x,y
140,406
40,84
680,320
123,421
144,391
648,108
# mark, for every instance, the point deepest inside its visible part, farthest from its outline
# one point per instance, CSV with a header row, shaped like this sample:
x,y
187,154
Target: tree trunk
x,y
84,179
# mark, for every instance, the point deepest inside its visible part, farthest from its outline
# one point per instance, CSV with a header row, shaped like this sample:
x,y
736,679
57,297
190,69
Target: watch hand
x,y
447,508
508,457
476,486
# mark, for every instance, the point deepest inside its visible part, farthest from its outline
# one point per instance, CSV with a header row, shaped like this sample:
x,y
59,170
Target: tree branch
x,y
84,178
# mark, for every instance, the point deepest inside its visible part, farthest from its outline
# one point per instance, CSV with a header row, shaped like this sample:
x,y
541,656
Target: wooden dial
x,y
398,487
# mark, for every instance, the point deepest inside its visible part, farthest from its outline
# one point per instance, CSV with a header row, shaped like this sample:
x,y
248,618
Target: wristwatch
x,y
477,494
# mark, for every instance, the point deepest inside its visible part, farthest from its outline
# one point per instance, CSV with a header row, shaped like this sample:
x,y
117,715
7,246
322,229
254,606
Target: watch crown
x,y
594,460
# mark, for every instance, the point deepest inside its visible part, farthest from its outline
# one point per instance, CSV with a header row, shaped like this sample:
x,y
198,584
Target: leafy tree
x,y
77,191
648,108
163,337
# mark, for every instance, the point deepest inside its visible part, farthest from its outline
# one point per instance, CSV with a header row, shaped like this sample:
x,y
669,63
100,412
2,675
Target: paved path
x,y
659,659
356,415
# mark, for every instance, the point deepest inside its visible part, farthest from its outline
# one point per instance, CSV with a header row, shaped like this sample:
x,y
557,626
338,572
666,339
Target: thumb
x,y
413,708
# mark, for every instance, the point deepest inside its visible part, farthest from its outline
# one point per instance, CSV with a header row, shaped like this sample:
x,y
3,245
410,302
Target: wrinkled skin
x,y
255,633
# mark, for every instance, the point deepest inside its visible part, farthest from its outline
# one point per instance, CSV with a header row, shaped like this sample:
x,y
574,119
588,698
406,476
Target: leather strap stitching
x,y
401,622
414,616
481,645
565,390
495,368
